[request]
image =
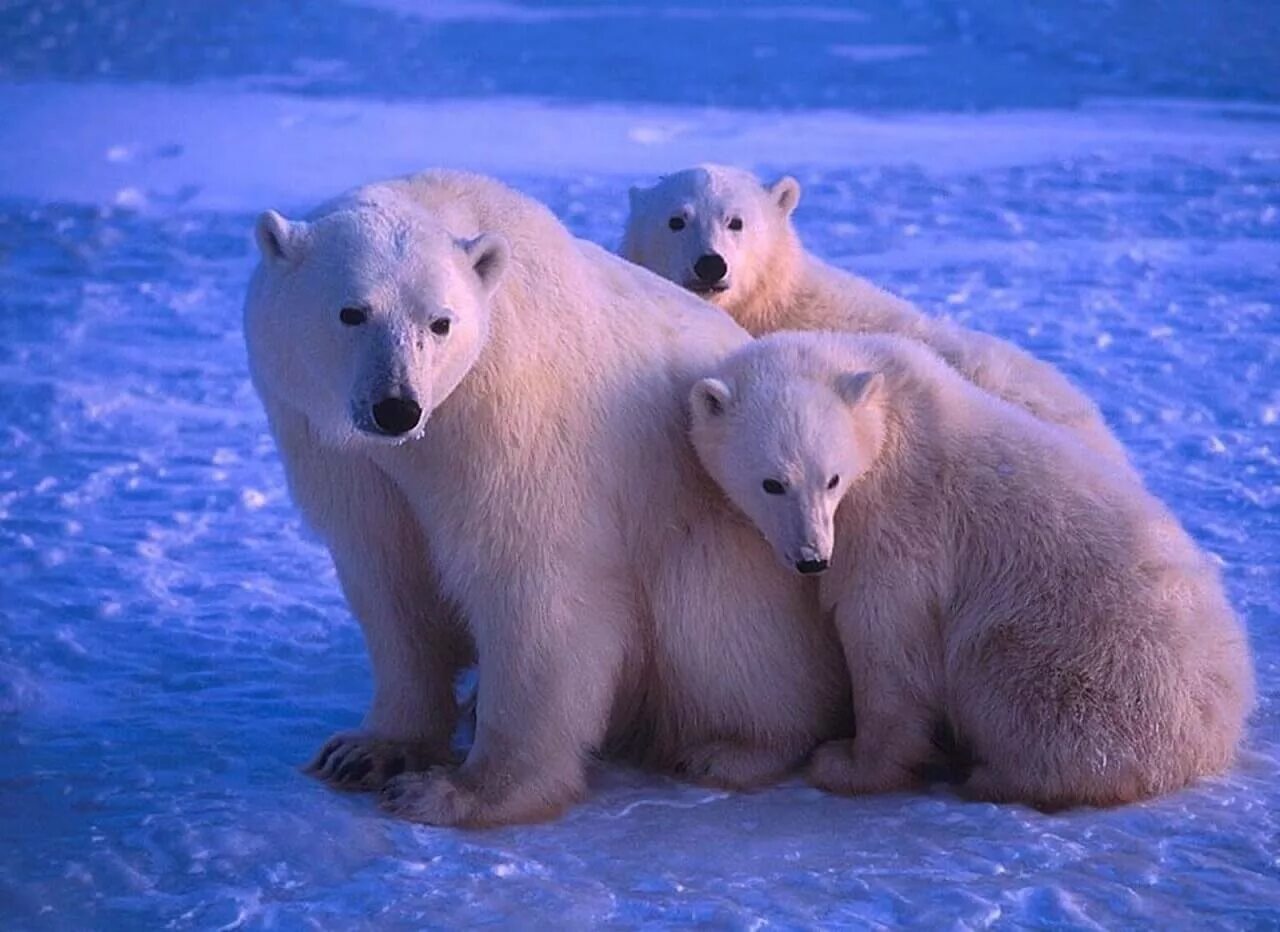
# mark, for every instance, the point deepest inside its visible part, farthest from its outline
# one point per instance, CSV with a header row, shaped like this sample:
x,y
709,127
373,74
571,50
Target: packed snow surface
x,y
172,640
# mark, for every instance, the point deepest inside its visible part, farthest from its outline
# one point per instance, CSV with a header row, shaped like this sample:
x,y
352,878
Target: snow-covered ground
x,y
173,643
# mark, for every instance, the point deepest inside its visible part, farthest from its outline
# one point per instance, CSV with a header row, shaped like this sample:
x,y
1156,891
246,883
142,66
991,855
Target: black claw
x,y
354,769
318,762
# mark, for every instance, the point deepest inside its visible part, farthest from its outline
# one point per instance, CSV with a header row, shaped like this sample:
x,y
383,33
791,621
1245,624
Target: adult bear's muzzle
x,y
397,416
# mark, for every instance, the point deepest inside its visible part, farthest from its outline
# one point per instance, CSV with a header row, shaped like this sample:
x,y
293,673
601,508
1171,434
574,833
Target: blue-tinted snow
x,y
172,642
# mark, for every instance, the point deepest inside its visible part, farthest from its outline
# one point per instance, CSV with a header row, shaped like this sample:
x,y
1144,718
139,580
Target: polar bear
x,y
485,420
985,570
723,235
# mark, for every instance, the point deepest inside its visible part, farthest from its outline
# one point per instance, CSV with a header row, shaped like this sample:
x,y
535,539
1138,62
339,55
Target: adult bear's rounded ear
x,y
710,397
490,253
786,194
858,387
279,240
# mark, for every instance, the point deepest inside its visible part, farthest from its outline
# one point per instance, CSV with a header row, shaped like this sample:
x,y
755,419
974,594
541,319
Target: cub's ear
x,y
710,397
786,194
279,240
490,253
858,387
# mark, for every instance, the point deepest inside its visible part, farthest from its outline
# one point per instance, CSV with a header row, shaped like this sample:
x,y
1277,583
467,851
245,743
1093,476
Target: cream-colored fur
x,y
773,284
546,515
985,570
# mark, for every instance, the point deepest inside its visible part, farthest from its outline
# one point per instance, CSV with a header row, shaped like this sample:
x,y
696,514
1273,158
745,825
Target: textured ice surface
x,y
173,644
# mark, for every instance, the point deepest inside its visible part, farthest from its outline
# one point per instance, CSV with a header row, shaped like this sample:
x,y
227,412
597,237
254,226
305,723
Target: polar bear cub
x,y
984,570
723,235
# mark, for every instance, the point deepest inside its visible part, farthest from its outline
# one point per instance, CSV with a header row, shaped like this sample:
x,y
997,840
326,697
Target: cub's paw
x,y
984,786
357,761
734,766
433,798
831,767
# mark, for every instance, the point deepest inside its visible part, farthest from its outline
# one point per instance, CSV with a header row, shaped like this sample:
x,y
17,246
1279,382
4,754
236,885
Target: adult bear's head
x,y
367,317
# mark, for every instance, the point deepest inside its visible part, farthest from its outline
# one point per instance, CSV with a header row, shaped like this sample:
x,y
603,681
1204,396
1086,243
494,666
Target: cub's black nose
x,y
809,567
710,268
396,416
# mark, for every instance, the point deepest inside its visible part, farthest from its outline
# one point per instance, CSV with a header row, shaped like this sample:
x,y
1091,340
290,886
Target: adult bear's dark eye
x,y
676,223
835,481
735,224
774,487
440,326
353,316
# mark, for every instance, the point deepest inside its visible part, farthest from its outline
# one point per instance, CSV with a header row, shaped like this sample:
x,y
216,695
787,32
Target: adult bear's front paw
x,y
449,797
433,798
838,767
736,766
358,761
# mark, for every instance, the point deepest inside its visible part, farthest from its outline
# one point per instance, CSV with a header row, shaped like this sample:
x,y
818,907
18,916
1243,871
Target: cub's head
x,y
786,447
714,230
367,318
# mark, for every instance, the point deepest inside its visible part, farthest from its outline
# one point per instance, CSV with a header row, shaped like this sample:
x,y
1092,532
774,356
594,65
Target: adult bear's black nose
x,y
710,268
810,567
396,416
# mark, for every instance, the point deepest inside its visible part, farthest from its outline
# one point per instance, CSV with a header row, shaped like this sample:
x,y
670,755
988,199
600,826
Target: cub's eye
x,y
835,481
353,316
676,223
441,326
735,224
774,487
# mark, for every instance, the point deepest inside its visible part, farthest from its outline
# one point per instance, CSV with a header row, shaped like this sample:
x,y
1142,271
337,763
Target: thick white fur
x,y
985,569
547,517
774,284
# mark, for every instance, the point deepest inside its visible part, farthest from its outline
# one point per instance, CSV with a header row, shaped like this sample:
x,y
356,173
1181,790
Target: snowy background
x,y
1099,182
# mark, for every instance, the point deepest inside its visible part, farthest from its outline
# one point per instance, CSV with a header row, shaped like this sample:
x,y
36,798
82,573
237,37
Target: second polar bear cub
x,y
984,570
721,234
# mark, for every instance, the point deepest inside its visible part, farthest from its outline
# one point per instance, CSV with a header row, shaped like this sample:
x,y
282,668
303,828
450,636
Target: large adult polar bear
x,y
721,234
484,419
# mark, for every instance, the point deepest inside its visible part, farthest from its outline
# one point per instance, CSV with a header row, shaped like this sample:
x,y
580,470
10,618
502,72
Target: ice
x,y
877,53
172,641
518,13
237,148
